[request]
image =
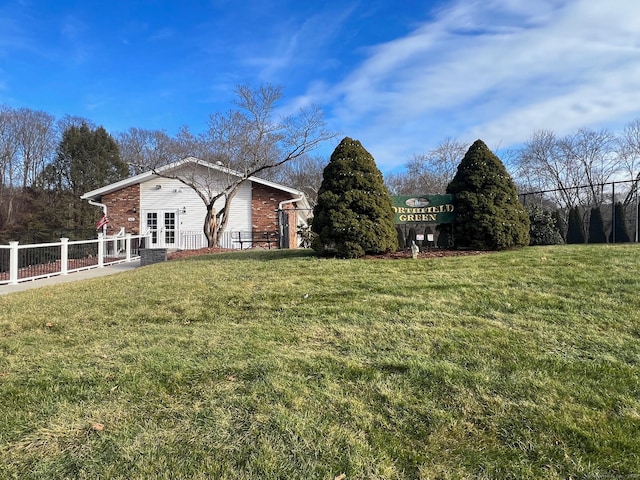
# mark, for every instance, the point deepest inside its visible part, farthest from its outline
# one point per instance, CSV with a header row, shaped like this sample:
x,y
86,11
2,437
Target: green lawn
x,y
521,364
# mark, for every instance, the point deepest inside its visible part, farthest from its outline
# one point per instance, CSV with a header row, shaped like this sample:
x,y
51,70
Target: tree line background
x,y
46,164
581,187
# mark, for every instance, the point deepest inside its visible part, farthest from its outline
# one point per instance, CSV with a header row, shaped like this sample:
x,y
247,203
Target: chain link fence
x,y
617,203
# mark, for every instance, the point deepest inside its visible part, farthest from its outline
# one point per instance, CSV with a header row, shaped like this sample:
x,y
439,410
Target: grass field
x,y
521,364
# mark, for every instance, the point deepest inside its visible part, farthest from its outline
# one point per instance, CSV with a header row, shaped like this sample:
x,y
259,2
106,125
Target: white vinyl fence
x,y
21,263
193,240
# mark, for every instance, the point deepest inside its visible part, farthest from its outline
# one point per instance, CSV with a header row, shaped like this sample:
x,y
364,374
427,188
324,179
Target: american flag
x,y
102,222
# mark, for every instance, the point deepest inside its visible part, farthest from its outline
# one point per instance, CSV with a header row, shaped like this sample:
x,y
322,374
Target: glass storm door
x,y
152,227
162,229
169,229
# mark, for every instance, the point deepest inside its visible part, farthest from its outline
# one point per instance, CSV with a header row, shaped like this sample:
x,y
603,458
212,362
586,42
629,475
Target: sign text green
x,y
434,209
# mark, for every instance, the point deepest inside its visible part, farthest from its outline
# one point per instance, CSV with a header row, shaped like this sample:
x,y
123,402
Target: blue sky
x,y
400,76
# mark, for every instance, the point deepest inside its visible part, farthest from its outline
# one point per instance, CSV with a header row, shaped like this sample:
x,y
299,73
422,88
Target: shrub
x,y
619,232
575,228
444,235
411,236
543,228
561,222
596,227
489,215
401,242
354,214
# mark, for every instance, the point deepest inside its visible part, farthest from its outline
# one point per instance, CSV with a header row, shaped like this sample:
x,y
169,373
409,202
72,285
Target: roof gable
x,y
150,175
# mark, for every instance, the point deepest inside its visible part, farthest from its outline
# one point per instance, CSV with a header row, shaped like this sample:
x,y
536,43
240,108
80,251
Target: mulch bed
x,y
192,253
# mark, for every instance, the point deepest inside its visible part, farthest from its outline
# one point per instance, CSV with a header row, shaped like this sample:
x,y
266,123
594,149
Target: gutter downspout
x,y
285,202
104,211
101,205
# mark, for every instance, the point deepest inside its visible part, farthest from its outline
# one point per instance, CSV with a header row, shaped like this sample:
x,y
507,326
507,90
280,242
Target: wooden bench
x,y
256,238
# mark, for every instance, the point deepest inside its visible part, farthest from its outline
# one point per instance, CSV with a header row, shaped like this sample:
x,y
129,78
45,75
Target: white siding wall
x,y
174,196
240,211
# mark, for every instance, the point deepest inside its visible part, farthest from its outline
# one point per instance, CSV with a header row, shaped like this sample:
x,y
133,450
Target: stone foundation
x,y
149,256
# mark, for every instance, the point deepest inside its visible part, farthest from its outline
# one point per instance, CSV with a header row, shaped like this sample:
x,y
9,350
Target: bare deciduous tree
x,y
241,143
303,173
628,143
35,134
27,143
142,148
540,166
430,172
593,156
8,165
574,166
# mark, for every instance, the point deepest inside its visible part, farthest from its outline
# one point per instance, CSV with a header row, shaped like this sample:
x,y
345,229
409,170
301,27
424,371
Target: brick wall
x,y
264,206
120,209
290,210
264,216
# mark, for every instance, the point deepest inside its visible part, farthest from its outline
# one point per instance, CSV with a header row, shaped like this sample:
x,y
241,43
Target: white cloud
x,y
295,42
496,70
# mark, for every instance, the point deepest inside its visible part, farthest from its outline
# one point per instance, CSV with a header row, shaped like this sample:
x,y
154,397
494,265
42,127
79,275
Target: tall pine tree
x,y
489,215
86,159
354,213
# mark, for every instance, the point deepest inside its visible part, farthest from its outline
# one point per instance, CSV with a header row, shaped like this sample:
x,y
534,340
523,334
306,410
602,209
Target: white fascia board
x,y
98,192
145,176
141,178
277,186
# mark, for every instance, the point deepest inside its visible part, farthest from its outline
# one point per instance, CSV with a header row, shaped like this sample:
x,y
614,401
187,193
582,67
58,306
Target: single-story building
x,y
173,214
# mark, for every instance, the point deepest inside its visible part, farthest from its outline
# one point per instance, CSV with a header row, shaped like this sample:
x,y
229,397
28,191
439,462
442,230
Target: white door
x,y
163,228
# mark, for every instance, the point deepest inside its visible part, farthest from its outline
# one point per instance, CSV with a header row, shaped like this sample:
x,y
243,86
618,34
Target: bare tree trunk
x,y
222,220
222,217
242,143
211,227
9,217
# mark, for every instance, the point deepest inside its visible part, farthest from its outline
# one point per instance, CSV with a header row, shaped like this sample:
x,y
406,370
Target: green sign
x,y
434,209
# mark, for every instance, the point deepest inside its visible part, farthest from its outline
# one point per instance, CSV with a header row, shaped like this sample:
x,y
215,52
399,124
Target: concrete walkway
x,y
71,277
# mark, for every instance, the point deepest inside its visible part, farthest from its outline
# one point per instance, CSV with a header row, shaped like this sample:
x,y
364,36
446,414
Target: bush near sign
x,y
435,209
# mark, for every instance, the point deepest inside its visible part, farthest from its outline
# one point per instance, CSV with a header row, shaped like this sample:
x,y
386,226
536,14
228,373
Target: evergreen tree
x,y
619,232
444,235
596,227
543,229
354,214
86,159
575,228
489,215
560,223
401,242
411,236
